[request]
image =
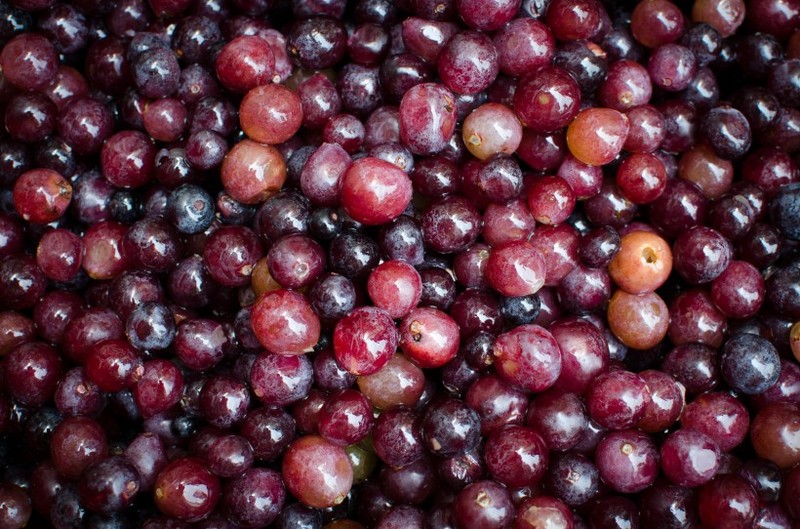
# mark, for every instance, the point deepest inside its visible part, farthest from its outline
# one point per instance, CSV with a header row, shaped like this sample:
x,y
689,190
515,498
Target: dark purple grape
x,y
150,326
450,427
66,511
194,37
255,498
352,254
109,486
750,364
360,89
317,42
614,510
156,73
269,431
784,81
785,211
727,131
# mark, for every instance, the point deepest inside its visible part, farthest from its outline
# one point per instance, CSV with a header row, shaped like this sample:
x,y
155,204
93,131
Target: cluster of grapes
x,y
400,264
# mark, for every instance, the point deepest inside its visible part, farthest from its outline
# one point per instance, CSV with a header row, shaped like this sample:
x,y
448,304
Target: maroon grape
x,y
32,372
627,460
186,490
429,337
29,61
689,458
427,118
365,340
482,505
317,472
547,100
85,124
77,443
617,399
516,456
468,62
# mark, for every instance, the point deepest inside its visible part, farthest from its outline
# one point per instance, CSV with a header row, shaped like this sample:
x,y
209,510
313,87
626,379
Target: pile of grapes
x,y
400,264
